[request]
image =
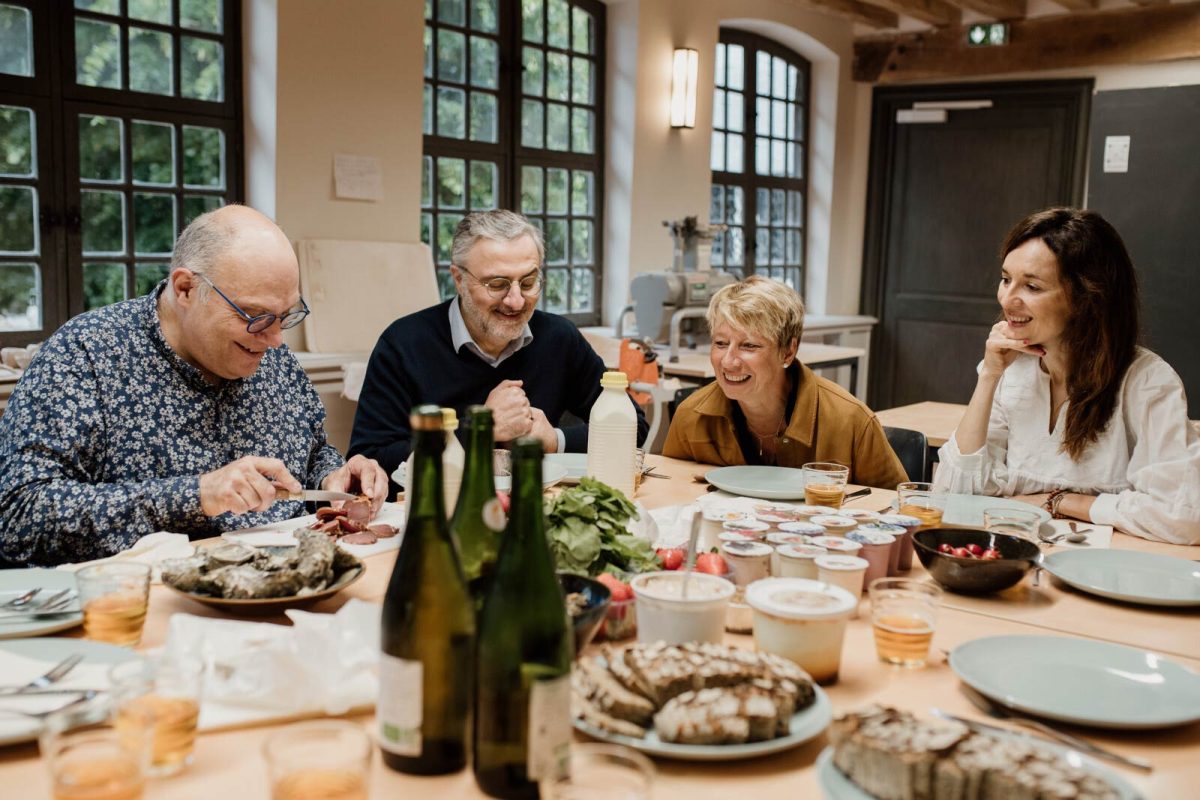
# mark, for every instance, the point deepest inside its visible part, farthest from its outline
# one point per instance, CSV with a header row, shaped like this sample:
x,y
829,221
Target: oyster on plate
x,y
236,572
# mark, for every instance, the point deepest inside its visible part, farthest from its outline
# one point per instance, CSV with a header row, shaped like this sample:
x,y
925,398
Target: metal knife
x,y
313,496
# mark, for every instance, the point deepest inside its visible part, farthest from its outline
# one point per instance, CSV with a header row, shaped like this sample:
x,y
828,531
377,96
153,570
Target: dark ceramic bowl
x,y
973,575
587,622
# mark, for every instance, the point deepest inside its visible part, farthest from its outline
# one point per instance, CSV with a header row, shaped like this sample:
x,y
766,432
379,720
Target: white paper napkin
x,y
257,671
1097,535
281,533
149,549
18,670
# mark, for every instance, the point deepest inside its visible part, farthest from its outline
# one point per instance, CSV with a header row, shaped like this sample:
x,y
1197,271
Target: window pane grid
x,y
758,187
462,71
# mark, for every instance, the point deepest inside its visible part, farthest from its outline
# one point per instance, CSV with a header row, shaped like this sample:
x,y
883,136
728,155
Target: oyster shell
x,y
236,572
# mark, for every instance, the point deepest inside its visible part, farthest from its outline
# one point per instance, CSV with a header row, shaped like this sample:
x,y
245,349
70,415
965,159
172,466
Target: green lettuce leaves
x,y
586,526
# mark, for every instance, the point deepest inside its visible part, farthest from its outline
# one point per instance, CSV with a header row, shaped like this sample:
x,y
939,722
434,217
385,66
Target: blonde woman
x,y
765,407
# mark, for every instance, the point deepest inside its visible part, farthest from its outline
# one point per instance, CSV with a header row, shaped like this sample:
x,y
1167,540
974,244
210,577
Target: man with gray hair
x,y
486,346
180,410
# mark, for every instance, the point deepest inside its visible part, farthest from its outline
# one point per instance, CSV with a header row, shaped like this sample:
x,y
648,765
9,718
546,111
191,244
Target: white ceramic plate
x,y
768,483
1128,575
967,509
15,582
97,656
574,463
806,724
552,473
1081,681
836,786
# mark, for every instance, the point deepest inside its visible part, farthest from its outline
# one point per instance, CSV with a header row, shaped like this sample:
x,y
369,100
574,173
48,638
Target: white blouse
x,y
1145,466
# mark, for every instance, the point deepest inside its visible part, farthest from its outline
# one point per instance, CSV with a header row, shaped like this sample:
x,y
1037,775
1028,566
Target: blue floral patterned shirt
x,y
107,433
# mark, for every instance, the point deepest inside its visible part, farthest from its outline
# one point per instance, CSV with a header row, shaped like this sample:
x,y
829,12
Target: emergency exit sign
x,y
987,34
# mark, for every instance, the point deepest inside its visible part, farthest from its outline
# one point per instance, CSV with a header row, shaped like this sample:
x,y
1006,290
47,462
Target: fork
x,y
55,604
53,675
996,711
22,600
85,696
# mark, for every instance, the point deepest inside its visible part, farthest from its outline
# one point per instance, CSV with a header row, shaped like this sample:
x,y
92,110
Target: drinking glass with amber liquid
x,y
325,760
903,614
922,501
114,598
92,758
825,483
168,689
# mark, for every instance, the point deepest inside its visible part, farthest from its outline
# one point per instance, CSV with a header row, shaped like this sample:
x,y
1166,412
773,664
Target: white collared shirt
x,y
460,337
1144,467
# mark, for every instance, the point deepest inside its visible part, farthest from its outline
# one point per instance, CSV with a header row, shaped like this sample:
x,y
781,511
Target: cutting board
x,y
356,289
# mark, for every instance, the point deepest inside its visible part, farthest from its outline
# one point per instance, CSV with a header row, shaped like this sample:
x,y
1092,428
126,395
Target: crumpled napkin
x,y
150,549
258,671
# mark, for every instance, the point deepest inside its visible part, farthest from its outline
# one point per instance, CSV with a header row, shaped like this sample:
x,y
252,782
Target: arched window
x,y
760,158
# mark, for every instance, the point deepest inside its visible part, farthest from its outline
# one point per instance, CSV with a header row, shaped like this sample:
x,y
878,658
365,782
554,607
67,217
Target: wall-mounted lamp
x,y
683,88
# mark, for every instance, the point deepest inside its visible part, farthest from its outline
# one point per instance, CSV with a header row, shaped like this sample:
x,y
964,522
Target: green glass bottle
x,y
522,729
478,516
428,631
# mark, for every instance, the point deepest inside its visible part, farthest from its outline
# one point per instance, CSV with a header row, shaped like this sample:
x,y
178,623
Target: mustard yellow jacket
x,y
828,424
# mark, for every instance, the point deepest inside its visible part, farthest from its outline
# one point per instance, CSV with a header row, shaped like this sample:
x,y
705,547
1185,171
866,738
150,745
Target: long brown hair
x,y
1101,333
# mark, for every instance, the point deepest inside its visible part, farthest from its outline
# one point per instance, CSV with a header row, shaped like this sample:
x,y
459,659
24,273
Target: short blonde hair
x,y
760,306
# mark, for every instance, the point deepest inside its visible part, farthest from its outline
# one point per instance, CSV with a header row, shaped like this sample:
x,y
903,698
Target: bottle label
x,y
549,728
493,515
400,705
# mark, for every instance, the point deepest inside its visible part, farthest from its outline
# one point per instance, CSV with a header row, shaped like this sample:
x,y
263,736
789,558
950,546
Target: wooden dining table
x,y
229,763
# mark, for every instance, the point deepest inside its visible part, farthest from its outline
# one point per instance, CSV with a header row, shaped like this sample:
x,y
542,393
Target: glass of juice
x,y
167,688
825,483
114,598
324,760
903,614
922,501
601,772
92,758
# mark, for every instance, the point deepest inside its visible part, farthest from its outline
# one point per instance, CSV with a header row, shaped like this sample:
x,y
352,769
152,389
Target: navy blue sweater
x,y
414,362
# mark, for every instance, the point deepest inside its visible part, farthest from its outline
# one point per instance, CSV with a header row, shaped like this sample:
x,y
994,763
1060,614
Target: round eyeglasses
x,y
529,286
259,323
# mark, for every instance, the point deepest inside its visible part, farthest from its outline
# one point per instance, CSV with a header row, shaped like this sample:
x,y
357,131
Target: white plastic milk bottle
x,y
454,458
612,435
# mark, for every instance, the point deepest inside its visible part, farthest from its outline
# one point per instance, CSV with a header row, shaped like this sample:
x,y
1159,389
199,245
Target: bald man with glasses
x,y
180,410
487,345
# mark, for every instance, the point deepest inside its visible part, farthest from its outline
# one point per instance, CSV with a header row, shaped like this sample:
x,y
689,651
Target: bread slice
x,y
607,694
583,709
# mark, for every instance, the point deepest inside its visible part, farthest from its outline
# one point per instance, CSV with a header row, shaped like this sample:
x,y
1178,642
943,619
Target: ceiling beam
x,y
1117,36
872,16
1078,5
938,13
996,9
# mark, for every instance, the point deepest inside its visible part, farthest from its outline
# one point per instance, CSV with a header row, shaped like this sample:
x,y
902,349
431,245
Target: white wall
x,y
657,173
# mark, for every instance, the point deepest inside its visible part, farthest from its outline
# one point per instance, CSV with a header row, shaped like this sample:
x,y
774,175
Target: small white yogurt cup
x,y
798,560
748,561
835,524
837,544
802,620
846,572
802,528
664,614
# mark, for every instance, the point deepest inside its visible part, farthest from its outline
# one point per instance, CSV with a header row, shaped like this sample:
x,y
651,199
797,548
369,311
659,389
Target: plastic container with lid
x,y
712,525
748,561
798,560
802,528
876,549
612,435
861,515
664,614
778,540
837,544
748,528
802,620
910,525
809,511
835,523
898,533
844,571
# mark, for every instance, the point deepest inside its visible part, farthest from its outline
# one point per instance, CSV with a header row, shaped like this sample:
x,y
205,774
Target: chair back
x,y
912,448
680,396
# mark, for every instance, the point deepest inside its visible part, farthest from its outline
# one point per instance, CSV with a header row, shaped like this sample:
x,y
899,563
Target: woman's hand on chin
x,y
1001,349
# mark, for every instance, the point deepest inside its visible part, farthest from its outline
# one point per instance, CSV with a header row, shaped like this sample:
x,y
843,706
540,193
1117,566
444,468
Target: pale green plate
x,y
1128,575
15,582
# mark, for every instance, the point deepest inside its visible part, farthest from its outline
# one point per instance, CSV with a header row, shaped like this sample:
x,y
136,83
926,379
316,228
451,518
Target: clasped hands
x,y
515,417
249,484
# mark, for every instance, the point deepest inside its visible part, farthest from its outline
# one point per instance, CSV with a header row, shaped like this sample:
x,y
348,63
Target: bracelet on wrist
x,y
1052,502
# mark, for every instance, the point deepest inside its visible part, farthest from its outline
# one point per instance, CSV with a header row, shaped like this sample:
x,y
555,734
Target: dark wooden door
x,y
941,197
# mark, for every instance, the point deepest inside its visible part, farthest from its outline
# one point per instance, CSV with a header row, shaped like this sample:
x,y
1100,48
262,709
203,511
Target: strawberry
x,y
620,590
503,497
975,549
712,563
671,557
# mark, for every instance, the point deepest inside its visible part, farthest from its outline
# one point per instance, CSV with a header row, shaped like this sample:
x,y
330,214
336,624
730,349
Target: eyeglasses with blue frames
x,y
260,323
530,286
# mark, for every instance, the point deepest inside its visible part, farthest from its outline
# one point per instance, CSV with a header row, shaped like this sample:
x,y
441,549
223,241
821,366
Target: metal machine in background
x,y
664,302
